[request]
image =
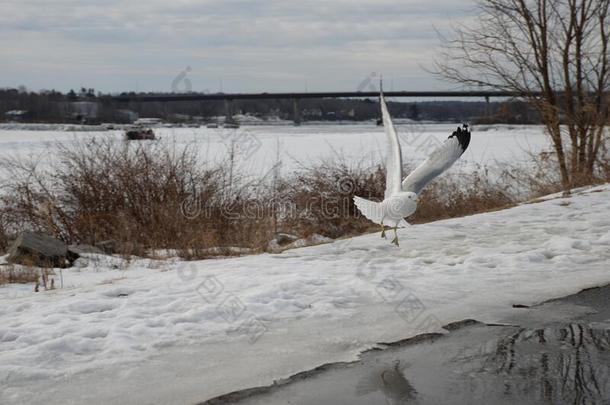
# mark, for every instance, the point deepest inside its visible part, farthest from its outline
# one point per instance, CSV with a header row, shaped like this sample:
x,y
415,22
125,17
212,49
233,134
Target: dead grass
x,y
156,196
460,195
135,193
21,275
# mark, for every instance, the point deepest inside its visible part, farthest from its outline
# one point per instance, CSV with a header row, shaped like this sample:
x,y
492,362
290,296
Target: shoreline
x,y
586,312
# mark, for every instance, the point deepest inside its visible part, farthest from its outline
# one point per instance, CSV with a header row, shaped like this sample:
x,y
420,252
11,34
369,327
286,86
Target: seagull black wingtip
x,y
463,136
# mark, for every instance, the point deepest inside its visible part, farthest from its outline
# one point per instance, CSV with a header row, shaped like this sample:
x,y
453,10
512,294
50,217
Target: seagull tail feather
x,y
370,209
403,224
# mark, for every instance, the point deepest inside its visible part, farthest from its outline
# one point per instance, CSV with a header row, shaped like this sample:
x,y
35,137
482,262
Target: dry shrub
x,y
157,196
4,238
134,193
10,274
604,161
539,176
322,197
460,195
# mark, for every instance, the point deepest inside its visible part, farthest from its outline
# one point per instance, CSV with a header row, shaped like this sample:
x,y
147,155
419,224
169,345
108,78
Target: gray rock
x,y
107,246
77,250
283,239
275,247
81,249
280,241
38,249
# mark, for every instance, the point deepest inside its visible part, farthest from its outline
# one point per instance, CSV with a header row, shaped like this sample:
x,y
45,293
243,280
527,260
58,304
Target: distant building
x,y
149,122
313,112
180,117
127,116
84,111
16,115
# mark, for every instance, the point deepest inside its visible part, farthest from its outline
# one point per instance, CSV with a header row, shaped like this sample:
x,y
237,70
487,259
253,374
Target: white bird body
x,y
398,206
391,211
400,197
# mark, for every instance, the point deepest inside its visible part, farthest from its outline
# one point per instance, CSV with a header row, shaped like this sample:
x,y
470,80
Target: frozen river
x,y
258,148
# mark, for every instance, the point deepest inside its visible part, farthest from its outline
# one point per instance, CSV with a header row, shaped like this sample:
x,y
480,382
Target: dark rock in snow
x,y
39,249
285,238
80,249
107,246
280,241
77,250
275,247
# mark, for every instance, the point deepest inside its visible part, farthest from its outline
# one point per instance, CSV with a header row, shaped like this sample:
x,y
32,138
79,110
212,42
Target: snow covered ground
x,y
258,147
176,332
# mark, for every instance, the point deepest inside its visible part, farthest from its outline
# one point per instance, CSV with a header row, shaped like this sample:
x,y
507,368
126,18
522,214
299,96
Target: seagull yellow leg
x,y
395,240
382,230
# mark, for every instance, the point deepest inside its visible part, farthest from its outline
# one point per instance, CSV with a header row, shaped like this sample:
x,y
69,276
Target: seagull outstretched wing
x,y
394,158
440,160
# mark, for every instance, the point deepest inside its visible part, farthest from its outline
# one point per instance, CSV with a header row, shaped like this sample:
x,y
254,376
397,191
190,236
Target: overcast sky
x,y
250,46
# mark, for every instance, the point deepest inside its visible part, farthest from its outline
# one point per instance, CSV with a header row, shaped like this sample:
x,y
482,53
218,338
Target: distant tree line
x,y
57,107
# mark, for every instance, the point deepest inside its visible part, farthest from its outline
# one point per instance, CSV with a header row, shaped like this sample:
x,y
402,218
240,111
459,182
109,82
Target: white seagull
x,y
400,197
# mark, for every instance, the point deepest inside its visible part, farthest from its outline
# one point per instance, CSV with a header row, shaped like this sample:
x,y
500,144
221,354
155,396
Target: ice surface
x,y
257,145
186,331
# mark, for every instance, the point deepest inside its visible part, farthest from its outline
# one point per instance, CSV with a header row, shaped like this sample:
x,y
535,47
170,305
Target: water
x,y
540,362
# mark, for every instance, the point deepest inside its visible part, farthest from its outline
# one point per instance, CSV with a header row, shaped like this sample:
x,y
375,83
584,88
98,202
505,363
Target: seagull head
x,y
412,196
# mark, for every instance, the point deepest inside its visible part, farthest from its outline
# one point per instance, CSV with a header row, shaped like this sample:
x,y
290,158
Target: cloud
x,y
271,45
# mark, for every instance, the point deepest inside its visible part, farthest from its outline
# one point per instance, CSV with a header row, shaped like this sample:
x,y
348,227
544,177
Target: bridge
x,y
228,98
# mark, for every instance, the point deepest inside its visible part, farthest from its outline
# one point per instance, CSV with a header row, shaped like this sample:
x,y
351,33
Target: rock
x,y
278,243
283,239
107,246
78,250
39,249
315,239
311,240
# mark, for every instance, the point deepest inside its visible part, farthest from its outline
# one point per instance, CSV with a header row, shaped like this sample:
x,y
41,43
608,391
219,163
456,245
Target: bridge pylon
x,y
296,107
229,111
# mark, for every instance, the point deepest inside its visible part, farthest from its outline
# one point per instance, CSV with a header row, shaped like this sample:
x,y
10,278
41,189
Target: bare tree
x,y
555,54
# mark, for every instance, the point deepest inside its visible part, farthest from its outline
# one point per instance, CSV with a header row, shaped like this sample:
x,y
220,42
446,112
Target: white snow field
x,y
160,332
257,146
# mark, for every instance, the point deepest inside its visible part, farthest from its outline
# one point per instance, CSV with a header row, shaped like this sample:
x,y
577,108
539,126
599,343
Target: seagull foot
x,y
383,232
395,241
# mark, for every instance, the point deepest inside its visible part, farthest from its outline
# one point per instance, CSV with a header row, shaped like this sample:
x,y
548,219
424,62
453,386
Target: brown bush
x,y
322,197
135,193
9,274
155,196
460,195
4,239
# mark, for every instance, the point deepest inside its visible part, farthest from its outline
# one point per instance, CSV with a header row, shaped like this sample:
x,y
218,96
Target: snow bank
x,y
17,126
286,312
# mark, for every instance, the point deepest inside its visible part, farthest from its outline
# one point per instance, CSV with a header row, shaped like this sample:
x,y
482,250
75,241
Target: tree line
x,y
56,107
